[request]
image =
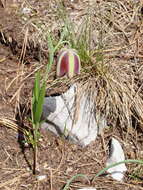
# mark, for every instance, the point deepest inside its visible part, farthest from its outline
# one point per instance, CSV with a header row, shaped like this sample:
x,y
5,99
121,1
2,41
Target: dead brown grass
x,y
113,77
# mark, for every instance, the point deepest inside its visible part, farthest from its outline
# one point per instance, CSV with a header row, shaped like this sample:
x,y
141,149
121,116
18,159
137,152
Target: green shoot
x,y
37,106
39,91
72,179
118,163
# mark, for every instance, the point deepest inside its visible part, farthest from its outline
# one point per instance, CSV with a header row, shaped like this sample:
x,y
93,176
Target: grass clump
x,y
107,77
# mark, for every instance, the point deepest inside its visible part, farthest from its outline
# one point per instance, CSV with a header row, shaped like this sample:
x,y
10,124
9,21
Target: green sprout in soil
x,y
37,106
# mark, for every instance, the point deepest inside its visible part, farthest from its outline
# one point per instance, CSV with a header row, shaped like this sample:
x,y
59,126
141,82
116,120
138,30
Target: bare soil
x,y
57,158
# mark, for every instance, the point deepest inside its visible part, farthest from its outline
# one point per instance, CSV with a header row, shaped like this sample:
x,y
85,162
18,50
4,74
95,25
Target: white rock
x,y
26,10
116,154
41,177
60,114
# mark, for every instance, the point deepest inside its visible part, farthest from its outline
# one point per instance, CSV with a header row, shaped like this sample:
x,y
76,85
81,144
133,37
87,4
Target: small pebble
x,y
28,169
41,177
26,10
69,169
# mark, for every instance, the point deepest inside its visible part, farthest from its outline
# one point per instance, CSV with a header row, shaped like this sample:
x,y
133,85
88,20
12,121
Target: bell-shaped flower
x,y
68,63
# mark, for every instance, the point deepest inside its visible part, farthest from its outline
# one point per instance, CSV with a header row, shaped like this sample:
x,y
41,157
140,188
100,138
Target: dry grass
x,y
115,93
113,73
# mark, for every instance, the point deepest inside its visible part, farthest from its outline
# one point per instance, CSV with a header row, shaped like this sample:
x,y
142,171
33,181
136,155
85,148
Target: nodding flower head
x,y
68,63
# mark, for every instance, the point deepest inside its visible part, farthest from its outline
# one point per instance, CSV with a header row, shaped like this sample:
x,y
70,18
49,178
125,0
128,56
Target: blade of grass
x,y
51,54
37,86
118,163
39,104
72,179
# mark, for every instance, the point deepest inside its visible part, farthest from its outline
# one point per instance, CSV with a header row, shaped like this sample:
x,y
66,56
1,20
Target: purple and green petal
x,y
68,63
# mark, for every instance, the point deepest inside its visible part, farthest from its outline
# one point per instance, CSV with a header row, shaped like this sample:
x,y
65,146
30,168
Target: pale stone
x,y
63,119
116,154
41,177
26,10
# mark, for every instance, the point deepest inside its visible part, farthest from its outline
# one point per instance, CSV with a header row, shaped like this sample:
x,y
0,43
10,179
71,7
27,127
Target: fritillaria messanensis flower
x,y
68,63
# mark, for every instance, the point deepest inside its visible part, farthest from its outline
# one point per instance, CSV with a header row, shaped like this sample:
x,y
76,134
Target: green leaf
x,y
67,186
51,53
116,164
34,108
50,43
37,86
39,104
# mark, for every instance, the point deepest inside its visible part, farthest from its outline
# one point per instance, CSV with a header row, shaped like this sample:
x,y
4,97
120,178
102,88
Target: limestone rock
x,y
63,118
116,154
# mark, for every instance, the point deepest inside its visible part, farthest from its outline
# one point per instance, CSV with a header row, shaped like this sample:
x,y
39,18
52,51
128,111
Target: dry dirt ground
x,y
57,158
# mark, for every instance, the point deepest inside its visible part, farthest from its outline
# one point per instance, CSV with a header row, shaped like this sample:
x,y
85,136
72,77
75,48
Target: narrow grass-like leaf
x,y
35,97
51,53
39,104
34,108
37,86
62,41
118,163
68,24
72,179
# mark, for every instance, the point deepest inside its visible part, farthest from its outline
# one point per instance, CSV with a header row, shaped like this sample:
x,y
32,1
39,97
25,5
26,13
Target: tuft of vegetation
x,y
36,109
108,79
